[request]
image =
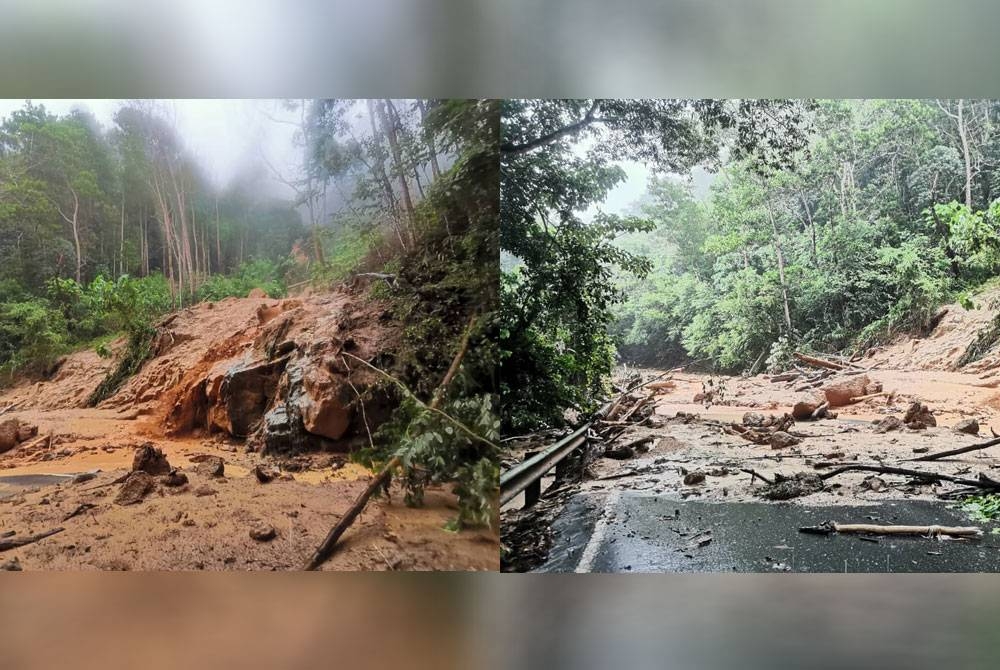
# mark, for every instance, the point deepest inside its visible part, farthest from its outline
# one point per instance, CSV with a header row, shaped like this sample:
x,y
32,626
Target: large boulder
x,y
842,392
324,410
244,394
8,434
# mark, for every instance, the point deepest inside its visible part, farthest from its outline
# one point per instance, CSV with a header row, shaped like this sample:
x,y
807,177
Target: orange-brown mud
x,y
205,524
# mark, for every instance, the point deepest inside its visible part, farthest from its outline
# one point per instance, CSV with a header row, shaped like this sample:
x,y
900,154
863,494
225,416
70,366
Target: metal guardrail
x,y
529,473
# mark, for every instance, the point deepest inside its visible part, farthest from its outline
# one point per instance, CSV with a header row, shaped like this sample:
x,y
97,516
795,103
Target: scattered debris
x,y
787,488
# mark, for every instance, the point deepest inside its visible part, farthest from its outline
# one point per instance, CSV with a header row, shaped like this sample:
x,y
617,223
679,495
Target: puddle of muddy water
x,y
642,533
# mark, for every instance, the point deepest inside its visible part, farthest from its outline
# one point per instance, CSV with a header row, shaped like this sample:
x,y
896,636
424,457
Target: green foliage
x,y
558,294
868,230
32,335
264,274
433,450
982,508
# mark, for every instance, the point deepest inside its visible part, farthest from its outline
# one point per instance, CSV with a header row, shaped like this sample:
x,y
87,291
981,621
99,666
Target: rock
x,y
8,434
324,410
873,483
921,450
263,533
918,416
203,491
841,392
780,439
13,565
619,453
150,460
804,409
753,419
692,478
242,395
26,431
174,478
263,475
786,488
138,485
887,424
969,426
211,466
84,477
258,294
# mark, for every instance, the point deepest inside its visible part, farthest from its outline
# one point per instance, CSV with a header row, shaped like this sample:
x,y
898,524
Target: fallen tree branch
x,y
325,550
983,482
818,362
956,452
756,475
830,527
80,509
27,539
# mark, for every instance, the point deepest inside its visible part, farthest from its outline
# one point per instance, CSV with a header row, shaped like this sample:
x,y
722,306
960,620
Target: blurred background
x,y
484,48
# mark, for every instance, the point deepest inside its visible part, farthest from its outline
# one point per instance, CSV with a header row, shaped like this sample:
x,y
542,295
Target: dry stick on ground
x,y
754,474
983,482
27,539
8,408
874,529
956,452
325,550
79,510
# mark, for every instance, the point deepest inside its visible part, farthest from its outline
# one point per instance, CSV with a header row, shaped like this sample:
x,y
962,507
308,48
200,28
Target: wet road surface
x,y
635,532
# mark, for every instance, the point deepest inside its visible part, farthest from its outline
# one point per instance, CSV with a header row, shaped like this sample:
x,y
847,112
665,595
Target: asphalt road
x,y
636,532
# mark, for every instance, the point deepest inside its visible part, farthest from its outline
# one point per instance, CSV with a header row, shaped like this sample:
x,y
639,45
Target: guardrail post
x,y
534,490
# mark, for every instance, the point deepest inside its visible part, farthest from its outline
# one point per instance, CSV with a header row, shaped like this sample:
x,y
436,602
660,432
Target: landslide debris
x,y
271,371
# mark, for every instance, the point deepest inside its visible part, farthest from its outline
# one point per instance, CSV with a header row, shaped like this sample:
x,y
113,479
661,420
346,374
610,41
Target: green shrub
x,y
261,273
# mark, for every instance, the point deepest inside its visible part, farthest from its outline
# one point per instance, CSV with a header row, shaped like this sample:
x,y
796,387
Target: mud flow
x,y
230,449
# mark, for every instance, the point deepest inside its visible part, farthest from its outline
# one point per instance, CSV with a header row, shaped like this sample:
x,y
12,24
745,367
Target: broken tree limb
x,y
16,542
756,475
956,452
874,529
983,482
785,377
325,550
862,398
818,362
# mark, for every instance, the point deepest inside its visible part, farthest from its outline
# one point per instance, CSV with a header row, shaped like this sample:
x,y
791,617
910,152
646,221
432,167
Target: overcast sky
x,y
223,135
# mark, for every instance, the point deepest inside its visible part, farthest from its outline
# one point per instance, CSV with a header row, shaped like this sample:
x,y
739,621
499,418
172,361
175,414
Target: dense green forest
x,y
100,220
829,225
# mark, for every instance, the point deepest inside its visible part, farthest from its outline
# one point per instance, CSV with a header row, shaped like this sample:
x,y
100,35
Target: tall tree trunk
x,y
389,128
121,249
379,163
781,267
218,242
963,136
429,139
812,228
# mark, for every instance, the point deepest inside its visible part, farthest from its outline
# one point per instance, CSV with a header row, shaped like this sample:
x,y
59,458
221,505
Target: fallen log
x,y
830,527
16,542
325,550
862,398
956,452
785,377
818,362
635,408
